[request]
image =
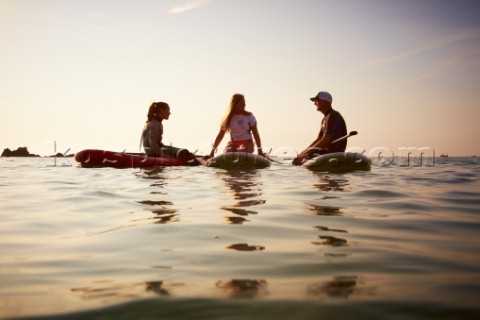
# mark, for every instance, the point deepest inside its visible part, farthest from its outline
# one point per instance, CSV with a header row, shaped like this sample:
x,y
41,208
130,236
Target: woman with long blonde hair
x,y
242,125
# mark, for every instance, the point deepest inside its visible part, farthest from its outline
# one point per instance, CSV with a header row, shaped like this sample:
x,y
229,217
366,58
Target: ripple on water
x,y
379,194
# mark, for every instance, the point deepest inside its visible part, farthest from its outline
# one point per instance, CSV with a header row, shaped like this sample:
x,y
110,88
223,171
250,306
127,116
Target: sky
x,y
405,74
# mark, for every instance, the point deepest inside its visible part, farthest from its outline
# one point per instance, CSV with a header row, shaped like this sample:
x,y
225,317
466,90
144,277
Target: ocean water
x,y
399,242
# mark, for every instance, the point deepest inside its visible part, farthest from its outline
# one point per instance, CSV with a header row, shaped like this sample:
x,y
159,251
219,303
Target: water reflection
x,y
331,241
163,214
156,287
245,247
235,220
331,183
162,209
243,183
328,183
323,228
339,287
243,186
154,173
322,210
235,208
327,239
109,291
243,288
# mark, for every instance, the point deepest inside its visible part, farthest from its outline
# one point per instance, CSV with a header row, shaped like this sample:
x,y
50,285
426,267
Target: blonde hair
x,y
236,99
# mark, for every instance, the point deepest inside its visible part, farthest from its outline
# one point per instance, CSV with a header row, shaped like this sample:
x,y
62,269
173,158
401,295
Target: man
x,y
333,127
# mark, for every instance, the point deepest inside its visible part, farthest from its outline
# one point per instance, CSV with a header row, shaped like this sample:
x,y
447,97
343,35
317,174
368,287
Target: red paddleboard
x,y
103,158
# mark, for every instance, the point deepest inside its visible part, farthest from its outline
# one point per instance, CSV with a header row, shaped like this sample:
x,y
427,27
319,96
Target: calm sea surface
x,y
398,242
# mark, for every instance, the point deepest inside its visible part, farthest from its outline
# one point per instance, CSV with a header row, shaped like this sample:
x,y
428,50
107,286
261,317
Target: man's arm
x,y
322,142
318,143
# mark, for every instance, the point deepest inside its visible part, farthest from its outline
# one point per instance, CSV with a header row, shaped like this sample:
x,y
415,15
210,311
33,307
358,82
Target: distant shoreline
x,y
22,152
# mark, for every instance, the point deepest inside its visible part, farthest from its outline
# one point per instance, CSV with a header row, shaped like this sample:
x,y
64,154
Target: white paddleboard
x,y
238,159
339,162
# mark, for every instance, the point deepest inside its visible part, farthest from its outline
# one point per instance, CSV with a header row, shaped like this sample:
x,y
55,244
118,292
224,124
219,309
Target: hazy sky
x,y
403,73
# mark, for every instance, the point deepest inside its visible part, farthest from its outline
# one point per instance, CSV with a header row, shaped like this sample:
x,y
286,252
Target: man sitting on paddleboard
x,y
333,127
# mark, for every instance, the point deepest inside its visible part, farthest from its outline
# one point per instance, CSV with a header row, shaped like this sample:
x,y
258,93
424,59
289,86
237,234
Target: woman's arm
x,y
218,139
258,141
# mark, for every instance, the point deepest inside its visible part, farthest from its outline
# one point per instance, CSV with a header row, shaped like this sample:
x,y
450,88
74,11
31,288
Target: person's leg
x,y
240,146
312,153
315,152
149,152
231,147
248,146
181,153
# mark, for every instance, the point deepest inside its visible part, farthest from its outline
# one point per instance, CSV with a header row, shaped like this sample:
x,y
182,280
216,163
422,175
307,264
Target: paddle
x,y
352,133
267,155
273,160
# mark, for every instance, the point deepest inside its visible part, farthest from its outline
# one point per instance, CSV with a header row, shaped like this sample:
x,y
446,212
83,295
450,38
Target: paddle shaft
x,y
352,133
266,156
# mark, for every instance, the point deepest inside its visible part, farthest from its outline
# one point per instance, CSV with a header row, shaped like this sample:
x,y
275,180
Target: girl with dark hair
x,y
153,131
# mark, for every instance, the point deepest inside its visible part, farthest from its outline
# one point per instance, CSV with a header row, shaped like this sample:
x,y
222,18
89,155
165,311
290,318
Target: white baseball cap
x,y
323,95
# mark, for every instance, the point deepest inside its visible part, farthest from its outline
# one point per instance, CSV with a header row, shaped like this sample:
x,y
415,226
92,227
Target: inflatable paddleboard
x,y
339,162
238,160
104,158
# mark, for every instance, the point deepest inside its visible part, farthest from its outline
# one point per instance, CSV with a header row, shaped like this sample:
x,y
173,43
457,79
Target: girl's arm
x,y
154,137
